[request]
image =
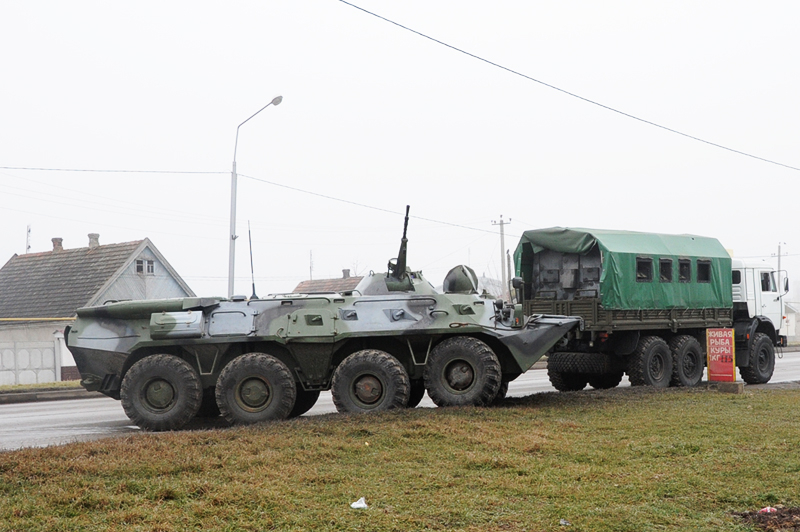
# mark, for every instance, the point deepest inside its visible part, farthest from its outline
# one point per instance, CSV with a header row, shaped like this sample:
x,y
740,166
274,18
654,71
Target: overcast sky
x,y
375,117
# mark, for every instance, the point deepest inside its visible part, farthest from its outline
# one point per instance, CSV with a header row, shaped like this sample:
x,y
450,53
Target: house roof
x,y
54,284
326,286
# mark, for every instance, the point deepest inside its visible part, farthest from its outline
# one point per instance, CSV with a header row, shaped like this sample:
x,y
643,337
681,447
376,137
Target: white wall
x,y
31,353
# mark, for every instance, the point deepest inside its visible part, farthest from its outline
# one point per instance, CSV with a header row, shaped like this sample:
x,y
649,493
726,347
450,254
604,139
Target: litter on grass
x,y
360,504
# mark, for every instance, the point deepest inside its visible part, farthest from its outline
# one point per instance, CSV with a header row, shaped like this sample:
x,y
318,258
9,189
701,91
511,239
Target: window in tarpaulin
x,y
620,250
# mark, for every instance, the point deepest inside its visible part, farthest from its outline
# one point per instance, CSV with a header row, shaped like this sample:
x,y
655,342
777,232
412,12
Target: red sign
x,y
721,355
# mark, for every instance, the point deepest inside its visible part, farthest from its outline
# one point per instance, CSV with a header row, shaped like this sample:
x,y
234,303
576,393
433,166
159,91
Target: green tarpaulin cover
x,y
619,250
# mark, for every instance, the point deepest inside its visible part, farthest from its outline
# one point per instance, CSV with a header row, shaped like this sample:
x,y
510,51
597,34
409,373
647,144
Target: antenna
x,y
252,274
28,241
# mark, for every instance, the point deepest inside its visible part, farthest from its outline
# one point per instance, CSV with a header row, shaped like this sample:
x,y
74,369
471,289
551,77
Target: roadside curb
x,y
47,395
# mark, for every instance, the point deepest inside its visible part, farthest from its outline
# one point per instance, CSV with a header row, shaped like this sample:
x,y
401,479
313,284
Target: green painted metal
x,y
619,251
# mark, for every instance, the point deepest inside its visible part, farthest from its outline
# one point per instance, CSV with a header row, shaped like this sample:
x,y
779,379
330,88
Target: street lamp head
x,y
277,100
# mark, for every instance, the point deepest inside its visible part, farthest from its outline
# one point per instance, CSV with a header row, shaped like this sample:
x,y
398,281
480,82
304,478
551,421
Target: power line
x,y
364,205
548,85
106,171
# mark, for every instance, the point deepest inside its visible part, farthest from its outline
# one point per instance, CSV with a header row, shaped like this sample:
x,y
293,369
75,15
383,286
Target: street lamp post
x,y
232,249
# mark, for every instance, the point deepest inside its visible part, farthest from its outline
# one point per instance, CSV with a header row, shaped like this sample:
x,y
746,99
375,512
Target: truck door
x,y
768,302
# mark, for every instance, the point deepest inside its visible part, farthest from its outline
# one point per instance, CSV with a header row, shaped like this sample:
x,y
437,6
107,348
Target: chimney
x,y
346,273
94,240
57,244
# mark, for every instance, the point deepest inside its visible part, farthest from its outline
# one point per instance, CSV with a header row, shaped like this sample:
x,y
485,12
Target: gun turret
x,y
396,277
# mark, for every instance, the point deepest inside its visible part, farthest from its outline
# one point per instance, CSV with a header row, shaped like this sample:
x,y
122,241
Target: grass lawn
x,y
618,460
58,385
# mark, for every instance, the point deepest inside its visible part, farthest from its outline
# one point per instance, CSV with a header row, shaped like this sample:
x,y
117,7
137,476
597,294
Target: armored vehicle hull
x,y
381,346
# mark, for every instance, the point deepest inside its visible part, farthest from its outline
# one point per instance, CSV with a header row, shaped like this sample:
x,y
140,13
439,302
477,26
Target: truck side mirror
x,y
516,282
786,286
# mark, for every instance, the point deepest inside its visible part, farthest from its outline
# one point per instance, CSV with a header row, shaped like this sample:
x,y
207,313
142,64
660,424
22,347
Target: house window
x,y
703,271
145,267
644,269
685,271
665,270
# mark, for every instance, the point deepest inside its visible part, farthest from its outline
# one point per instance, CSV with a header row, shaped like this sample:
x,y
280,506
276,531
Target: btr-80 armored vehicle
x,y
378,347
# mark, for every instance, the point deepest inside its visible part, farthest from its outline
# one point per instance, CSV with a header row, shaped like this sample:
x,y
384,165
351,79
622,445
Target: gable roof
x,y
326,286
54,284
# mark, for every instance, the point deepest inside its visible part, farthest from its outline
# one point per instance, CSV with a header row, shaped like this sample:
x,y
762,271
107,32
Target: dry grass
x,y
59,385
621,460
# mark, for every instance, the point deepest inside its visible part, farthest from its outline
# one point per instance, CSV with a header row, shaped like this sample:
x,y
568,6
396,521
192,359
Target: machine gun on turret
x,y
397,279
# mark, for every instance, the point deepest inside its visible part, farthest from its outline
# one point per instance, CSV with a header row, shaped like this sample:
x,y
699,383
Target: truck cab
x,y
758,300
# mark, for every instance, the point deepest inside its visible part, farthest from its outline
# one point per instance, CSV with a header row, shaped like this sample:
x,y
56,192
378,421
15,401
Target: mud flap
x,y
539,335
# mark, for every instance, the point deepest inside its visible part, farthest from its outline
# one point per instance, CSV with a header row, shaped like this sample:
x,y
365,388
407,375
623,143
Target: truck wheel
x,y
762,361
606,380
161,392
587,363
416,395
208,406
462,371
304,402
651,363
370,381
567,382
255,387
687,361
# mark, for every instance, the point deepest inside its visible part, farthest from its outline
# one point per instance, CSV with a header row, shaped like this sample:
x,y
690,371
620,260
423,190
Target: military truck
x,y
645,301
380,346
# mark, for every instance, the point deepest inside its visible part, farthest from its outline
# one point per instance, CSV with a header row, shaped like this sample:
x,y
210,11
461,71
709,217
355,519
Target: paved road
x,y
58,422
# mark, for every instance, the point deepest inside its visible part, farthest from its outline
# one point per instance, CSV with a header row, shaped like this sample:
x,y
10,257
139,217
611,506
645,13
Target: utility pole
x,y
310,265
501,223
780,286
28,241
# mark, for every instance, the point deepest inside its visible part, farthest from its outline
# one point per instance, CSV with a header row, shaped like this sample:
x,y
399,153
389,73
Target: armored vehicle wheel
x,y
567,382
370,381
606,380
208,406
502,391
651,363
304,402
161,392
687,361
255,387
416,395
462,370
762,361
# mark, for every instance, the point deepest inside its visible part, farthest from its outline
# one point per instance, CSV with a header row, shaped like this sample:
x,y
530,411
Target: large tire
x,y
255,387
605,381
651,363
567,382
762,361
687,361
370,381
462,371
416,395
161,392
570,372
587,363
304,402
501,393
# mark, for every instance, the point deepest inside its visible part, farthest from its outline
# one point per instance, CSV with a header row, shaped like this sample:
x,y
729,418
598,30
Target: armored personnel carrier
x,y
378,347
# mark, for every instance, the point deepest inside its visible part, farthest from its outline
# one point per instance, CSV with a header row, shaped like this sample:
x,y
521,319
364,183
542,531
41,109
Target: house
x,y
345,283
40,292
